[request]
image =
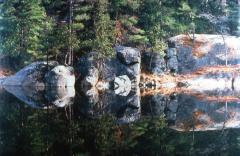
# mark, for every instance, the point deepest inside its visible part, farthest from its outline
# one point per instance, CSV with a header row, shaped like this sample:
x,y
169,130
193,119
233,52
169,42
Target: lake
x,y
178,124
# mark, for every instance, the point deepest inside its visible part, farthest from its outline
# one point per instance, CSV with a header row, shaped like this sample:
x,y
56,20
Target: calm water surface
x,y
35,124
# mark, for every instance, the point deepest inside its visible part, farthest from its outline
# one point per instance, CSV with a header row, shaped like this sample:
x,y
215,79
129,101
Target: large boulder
x,y
41,74
60,76
153,63
104,71
172,61
128,55
203,50
130,60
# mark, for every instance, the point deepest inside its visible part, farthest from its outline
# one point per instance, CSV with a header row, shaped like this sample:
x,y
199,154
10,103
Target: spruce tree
x,y
72,30
104,31
22,32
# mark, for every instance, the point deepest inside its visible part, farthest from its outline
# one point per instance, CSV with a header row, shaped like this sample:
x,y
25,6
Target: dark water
x,y
160,125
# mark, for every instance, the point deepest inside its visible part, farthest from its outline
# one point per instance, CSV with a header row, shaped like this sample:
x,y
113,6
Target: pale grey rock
x,y
122,85
127,62
42,74
203,50
61,76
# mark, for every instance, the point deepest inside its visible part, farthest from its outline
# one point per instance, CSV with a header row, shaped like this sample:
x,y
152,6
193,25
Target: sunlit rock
x,y
205,50
61,76
41,74
122,85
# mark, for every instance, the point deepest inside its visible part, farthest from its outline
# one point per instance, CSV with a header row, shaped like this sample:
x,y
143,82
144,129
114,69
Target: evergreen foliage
x,y
104,30
70,28
22,28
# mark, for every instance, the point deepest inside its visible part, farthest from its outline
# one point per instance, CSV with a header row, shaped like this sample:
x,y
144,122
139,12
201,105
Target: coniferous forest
x,y
64,30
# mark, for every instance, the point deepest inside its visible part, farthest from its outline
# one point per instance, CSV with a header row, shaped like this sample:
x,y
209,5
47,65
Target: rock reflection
x,y
125,108
196,111
38,97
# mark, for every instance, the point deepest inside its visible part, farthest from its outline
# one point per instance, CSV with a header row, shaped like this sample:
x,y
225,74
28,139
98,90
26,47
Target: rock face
x,y
41,74
172,61
60,76
127,62
153,63
128,55
203,50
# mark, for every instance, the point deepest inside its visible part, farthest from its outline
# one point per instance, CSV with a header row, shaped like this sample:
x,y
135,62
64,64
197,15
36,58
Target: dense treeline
x,y
66,29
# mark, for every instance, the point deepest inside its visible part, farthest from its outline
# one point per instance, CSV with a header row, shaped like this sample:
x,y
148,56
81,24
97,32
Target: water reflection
x,y
38,97
105,126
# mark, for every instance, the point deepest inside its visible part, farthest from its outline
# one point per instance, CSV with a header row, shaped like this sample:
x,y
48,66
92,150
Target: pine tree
x,y
73,21
104,31
9,29
128,31
23,25
153,20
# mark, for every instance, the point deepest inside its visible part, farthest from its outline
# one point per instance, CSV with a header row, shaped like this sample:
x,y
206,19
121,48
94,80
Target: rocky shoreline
x,y
119,85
